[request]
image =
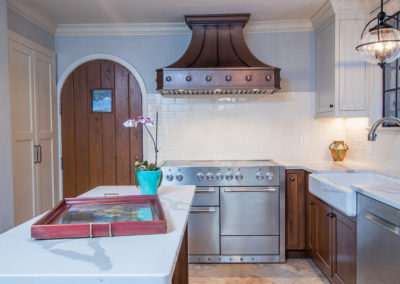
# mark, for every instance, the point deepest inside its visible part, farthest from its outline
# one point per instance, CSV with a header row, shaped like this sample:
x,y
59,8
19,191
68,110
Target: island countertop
x,y
118,260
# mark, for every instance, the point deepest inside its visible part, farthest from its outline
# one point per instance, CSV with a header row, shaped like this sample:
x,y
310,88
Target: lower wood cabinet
x,y
331,241
344,249
295,212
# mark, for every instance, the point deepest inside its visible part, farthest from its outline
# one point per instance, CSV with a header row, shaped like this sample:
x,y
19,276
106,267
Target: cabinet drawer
x,y
206,196
249,244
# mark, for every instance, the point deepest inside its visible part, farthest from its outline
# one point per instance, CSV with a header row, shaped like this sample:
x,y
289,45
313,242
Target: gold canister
x,y
338,150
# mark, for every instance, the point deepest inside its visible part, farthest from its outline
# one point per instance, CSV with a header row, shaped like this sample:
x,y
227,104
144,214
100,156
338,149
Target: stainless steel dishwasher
x,y
378,242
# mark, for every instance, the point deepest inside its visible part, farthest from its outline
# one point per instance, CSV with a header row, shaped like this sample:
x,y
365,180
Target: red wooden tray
x,y
102,217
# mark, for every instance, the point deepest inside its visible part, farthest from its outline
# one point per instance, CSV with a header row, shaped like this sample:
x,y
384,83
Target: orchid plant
x,y
147,122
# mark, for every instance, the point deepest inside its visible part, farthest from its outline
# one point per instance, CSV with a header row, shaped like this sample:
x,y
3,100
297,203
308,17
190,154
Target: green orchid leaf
x,y
161,178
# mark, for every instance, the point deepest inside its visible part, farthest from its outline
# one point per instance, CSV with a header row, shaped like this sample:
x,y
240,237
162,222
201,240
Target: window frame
x,y
396,89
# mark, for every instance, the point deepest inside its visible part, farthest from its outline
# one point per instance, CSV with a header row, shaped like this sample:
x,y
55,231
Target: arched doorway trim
x,y
70,69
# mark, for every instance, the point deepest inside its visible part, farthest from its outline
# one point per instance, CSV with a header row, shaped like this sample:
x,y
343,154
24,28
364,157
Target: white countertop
x,y
141,259
388,194
385,193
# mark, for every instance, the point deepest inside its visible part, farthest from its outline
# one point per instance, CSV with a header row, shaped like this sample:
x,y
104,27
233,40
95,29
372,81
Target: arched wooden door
x,y
97,149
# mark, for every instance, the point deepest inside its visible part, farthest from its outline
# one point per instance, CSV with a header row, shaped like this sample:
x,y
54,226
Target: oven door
x,y
203,230
249,211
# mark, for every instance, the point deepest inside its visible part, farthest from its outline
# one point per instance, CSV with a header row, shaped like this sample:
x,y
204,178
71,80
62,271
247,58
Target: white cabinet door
x,y
326,69
352,73
34,128
23,130
46,133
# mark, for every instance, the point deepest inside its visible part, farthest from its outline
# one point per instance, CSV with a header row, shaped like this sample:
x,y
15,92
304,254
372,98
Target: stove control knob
x,y
239,176
170,177
229,176
179,177
219,176
269,176
210,176
200,176
259,176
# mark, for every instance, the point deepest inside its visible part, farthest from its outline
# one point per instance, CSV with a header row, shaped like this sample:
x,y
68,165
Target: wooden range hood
x,y
217,61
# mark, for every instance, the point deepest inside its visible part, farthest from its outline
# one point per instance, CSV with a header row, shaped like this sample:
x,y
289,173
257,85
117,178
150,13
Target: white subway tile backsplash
x,y
261,127
242,127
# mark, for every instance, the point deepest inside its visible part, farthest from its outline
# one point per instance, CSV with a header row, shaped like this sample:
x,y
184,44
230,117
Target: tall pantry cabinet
x,y
34,127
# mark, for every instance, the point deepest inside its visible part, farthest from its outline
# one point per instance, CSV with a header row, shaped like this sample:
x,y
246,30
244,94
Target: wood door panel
x,y
311,224
135,108
95,128
81,130
108,125
121,132
344,249
102,148
295,210
68,137
323,249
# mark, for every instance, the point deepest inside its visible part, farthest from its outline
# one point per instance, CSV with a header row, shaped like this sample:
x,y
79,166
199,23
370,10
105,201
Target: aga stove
x,y
238,211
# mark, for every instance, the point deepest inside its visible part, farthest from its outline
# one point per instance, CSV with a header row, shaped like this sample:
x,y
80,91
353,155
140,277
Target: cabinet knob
x,y
292,179
312,203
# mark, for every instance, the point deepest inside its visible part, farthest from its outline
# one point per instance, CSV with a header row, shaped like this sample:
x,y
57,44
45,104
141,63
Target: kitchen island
x,y
140,259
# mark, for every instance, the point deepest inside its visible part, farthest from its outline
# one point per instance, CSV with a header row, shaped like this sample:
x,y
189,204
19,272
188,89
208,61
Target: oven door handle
x,y
243,190
208,190
202,210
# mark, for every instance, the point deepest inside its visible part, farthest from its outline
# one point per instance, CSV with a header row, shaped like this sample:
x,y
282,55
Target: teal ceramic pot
x,y
148,181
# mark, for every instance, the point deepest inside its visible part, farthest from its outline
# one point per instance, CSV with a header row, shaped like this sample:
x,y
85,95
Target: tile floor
x,y
293,271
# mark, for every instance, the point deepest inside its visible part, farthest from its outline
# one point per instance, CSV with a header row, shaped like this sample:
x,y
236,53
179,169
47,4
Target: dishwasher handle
x,y
389,226
207,190
243,190
202,211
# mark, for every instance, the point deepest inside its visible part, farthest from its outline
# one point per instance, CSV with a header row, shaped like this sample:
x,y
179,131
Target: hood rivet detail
x,y
208,78
228,78
189,78
168,78
248,78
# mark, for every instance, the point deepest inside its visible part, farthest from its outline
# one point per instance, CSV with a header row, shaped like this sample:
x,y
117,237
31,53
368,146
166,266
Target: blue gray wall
x,y
6,188
293,52
24,27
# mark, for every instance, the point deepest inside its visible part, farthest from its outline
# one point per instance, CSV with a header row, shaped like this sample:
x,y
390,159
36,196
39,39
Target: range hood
x,y
217,61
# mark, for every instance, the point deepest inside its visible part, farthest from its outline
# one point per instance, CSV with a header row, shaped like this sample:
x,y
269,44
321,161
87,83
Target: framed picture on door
x,y
102,100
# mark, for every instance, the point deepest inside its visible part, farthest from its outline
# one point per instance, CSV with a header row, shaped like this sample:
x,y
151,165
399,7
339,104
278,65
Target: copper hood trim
x,y
218,59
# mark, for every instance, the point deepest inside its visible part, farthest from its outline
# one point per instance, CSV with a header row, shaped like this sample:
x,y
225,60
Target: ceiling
x,y
145,11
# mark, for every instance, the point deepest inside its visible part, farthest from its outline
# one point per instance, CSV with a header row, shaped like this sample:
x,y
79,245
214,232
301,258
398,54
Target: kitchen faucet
x,y
372,135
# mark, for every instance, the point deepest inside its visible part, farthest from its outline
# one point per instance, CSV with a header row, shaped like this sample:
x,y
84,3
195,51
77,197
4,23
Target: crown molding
x,y
320,18
350,9
122,29
303,25
173,28
32,15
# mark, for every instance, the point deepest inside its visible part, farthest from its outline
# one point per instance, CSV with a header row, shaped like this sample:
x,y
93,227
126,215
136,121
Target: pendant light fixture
x,y
381,43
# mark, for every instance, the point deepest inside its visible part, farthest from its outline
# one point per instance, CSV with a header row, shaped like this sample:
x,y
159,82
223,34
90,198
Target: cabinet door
x,y
295,210
326,68
323,246
311,216
352,99
23,130
344,249
46,132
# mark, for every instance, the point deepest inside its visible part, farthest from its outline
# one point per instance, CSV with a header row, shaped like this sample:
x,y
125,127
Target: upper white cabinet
x,y
341,71
34,128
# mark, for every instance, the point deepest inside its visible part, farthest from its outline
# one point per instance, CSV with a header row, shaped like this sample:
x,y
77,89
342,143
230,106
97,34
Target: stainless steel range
x,y
238,212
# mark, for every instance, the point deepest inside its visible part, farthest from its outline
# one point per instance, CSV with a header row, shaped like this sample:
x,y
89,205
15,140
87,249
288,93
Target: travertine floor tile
x,y
294,271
